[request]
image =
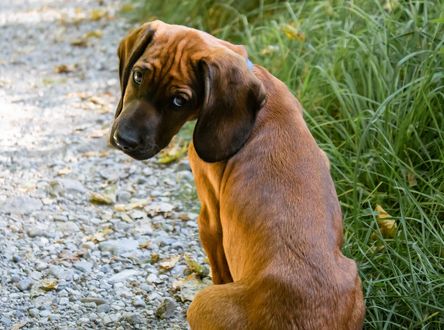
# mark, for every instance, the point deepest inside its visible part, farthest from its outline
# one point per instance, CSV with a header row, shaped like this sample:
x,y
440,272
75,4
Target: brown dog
x,y
270,220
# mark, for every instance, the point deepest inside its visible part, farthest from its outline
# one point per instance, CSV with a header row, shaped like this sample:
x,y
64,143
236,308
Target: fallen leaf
x,y
169,263
387,226
174,151
195,267
154,258
100,236
292,33
125,217
411,179
134,205
64,171
127,8
145,245
81,42
186,289
100,199
64,68
48,284
93,34
97,14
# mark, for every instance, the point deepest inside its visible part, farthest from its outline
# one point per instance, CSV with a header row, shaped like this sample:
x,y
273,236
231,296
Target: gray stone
x,y
33,312
25,284
71,186
166,309
123,275
45,313
104,308
61,273
139,302
132,318
143,227
118,247
63,301
68,227
5,321
95,300
153,278
83,266
123,196
38,231
21,205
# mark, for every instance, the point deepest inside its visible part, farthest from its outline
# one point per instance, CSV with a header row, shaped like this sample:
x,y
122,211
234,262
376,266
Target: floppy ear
x,y
130,49
232,97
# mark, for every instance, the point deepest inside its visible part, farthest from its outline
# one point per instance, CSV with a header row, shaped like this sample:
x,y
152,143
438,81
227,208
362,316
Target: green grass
x,y
371,79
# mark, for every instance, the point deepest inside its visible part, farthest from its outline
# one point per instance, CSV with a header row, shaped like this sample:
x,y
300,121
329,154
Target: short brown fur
x,y
270,220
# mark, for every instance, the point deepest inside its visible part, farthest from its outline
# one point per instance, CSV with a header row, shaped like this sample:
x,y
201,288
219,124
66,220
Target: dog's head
x,y
170,74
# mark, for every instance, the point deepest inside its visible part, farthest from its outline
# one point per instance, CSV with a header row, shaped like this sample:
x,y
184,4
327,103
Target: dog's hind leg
x,y
219,307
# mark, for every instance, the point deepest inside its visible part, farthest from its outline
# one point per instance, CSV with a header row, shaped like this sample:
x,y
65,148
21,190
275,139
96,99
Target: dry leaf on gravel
x,y
186,289
100,199
134,205
154,258
100,236
144,245
195,267
97,14
169,263
64,68
48,284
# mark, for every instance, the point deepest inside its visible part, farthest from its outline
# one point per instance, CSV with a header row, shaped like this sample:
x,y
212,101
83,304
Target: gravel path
x,y
89,238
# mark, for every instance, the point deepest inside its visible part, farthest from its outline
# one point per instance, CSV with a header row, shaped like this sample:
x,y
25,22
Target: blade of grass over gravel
x,y
370,75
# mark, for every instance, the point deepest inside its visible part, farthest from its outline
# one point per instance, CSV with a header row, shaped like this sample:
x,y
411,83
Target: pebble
x,y
95,300
123,275
25,284
63,301
104,308
83,266
139,302
21,205
118,247
166,309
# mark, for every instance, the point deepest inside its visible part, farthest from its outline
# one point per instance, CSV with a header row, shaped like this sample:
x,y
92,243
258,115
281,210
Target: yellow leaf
x,y
292,33
174,151
387,226
100,199
127,8
97,14
49,284
93,34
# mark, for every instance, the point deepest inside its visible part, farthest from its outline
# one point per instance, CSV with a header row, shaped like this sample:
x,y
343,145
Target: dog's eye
x,y
179,101
137,76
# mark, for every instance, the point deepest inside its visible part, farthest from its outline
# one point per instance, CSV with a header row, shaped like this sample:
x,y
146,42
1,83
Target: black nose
x,y
126,140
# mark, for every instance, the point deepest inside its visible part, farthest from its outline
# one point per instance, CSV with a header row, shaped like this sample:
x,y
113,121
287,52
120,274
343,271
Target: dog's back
x,y
282,230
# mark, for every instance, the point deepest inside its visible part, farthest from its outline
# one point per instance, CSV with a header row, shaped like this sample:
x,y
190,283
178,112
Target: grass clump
x,y
370,74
